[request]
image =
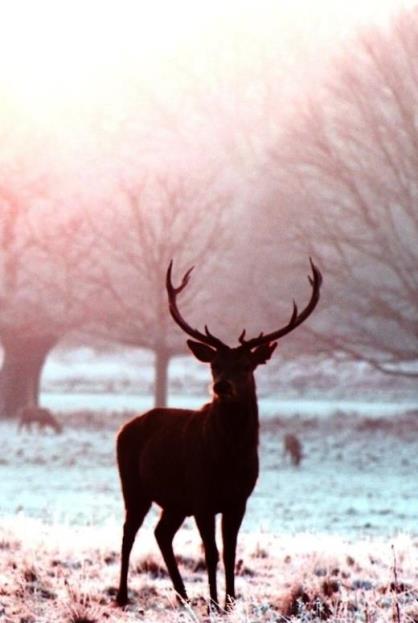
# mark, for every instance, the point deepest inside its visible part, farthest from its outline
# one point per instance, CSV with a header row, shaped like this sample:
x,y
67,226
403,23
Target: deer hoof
x,y
121,600
229,603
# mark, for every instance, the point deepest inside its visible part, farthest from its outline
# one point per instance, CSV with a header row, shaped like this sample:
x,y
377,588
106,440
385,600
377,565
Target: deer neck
x,y
237,420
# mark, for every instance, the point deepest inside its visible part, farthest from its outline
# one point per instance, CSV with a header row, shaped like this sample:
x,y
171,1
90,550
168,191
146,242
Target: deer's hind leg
x,y
231,522
135,514
206,526
167,527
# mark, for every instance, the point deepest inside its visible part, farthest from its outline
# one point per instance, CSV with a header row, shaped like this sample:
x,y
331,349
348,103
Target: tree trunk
x,y
162,360
24,358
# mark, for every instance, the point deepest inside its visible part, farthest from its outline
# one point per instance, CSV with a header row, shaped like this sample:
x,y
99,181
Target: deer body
x,y
210,469
293,447
198,463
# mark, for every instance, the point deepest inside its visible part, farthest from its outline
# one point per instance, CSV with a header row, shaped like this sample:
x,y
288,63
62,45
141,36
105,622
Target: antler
x,y
207,337
296,318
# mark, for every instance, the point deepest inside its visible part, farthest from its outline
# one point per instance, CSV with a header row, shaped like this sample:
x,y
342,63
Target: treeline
x,y
84,248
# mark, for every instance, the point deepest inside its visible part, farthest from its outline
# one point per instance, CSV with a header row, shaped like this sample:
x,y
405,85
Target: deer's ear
x,y
263,353
201,351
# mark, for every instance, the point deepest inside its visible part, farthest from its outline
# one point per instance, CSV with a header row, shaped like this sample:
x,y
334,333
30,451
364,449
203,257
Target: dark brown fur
x,y
40,416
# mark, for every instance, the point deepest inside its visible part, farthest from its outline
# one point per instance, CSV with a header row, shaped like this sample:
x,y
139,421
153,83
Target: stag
x,y
292,446
200,463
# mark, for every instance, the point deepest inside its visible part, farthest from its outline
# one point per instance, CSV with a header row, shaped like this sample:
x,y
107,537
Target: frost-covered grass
x,y
55,574
357,474
335,539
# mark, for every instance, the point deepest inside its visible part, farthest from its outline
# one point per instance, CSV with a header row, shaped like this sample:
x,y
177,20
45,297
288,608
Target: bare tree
x,y
349,190
45,250
165,217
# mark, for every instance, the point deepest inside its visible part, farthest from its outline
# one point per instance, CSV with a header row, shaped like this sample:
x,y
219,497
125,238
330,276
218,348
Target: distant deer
x,y
293,447
204,462
36,415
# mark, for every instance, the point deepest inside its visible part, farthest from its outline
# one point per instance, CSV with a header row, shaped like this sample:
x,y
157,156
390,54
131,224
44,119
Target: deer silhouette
x,y
292,446
200,463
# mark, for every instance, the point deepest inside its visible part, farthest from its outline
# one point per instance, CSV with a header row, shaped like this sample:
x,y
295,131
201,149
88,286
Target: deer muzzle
x,y
223,389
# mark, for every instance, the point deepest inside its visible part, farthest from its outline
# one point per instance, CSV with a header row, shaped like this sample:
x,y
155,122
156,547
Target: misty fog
x,y
267,146
246,141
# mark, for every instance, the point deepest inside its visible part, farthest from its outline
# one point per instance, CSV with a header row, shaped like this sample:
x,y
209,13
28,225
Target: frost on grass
x,y
61,510
63,574
356,476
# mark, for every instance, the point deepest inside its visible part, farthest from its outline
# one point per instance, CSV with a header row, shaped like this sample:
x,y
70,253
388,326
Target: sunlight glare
x,y
55,55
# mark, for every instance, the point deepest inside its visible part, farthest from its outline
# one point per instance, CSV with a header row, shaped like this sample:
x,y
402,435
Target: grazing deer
x,y
293,447
36,415
204,462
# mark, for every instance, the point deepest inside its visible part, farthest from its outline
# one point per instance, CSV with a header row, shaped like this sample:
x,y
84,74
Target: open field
x,y
357,474
340,532
336,538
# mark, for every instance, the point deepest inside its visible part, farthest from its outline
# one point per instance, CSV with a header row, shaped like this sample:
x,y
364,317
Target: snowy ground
x,y
358,475
130,373
65,574
347,510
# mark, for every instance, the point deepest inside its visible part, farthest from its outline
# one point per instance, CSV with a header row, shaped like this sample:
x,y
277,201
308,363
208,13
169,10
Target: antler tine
x,y
296,318
185,280
295,311
211,336
172,291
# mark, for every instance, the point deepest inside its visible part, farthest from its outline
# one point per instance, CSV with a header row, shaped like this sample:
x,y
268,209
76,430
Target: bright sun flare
x,y
55,52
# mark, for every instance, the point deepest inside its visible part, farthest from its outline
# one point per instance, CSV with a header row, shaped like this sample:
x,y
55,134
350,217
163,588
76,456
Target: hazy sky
x,y
67,68
55,51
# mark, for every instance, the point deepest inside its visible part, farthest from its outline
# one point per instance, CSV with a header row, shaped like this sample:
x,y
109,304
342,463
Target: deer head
x,y
232,368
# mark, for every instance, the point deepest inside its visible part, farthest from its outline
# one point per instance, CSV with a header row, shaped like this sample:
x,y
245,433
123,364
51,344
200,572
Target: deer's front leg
x,y
231,522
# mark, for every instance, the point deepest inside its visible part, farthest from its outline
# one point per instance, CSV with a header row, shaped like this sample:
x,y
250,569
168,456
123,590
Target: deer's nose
x,y
221,388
